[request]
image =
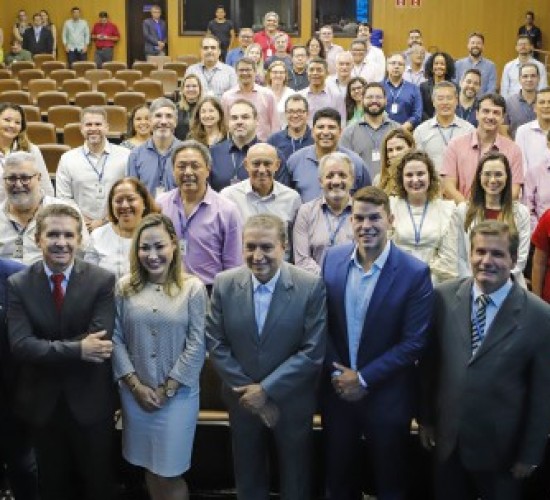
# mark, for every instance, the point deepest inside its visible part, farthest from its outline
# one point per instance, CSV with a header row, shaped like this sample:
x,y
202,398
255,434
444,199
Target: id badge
x,y
100,191
375,155
183,247
394,108
268,53
18,250
158,191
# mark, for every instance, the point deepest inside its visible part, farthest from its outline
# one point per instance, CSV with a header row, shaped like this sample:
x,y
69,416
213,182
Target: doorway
x,y
136,12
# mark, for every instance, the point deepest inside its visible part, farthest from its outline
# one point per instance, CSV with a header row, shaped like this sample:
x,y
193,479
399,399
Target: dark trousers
x,y
344,425
103,55
454,482
292,436
74,461
76,55
17,453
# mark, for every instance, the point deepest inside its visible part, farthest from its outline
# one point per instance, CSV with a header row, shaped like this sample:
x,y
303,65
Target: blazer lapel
x,y
43,291
245,302
461,319
280,302
505,322
75,288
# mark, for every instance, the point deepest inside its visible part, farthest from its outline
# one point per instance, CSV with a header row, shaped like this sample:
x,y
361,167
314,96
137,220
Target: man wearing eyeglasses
x,y
261,193
365,137
24,198
236,54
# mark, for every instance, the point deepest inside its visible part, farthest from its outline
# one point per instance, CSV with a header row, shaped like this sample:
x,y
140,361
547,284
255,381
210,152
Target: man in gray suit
x,y
485,407
266,335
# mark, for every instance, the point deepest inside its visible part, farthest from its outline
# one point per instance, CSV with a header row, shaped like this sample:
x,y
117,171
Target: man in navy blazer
x,y
154,33
15,441
38,39
379,302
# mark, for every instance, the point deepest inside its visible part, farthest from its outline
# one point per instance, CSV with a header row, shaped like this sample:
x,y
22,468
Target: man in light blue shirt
x,y
76,37
476,60
379,301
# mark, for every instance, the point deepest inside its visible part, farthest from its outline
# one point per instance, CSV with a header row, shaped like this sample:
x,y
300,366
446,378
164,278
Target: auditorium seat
x,y
16,97
41,133
40,85
80,67
9,84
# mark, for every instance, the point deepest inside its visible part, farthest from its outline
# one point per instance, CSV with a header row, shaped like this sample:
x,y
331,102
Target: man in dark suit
x,y
379,302
154,33
266,336
15,446
486,376
38,39
60,321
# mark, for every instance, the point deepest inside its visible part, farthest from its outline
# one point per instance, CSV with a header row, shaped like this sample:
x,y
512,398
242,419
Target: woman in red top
x,y
540,271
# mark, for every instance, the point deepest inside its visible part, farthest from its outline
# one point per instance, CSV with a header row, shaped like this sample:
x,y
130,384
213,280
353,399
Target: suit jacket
x,y
44,44
394,332
47,343
7,368
495,405
287,357
150,35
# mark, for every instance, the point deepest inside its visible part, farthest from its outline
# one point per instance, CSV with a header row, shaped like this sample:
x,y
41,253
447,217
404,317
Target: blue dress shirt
x,y
263,293
409,102
287,145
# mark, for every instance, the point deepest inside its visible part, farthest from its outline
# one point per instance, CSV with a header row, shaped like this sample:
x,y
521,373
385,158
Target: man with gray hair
x,y
266,38
85,174
261,193
151,162
433,135
21,179
325,221
338,83
208,225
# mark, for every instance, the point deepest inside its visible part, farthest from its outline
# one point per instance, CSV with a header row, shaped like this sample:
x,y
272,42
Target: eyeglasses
x,y
357,89
295,111
23,179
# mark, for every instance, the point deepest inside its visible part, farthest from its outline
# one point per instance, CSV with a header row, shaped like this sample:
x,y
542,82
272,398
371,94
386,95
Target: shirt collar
x,y
270,285
233,148
325,204
434,123
106,150
307,134
66,273
247,186
378,264
498,296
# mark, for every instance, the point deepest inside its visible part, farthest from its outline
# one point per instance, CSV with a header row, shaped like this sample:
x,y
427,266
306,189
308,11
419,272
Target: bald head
x,y
261,163
344,65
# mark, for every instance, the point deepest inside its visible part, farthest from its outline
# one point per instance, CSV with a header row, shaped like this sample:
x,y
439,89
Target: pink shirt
x,y
536,192
266,105
531,139
463,154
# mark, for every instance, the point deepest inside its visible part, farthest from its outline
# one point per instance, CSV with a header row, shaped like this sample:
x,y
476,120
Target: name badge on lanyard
x,y
394,108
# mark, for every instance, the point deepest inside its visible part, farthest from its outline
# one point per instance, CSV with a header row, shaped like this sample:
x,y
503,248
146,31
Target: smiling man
x,y
60,321
463,153
18,213
208,225
486,376
261,193
151,162
85,174
303,165
379,301
266,335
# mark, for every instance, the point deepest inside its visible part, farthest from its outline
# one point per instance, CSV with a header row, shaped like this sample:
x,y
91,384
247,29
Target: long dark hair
x,y
449,66
350,103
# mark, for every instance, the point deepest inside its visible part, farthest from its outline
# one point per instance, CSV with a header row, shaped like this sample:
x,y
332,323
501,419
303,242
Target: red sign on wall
x,y
415,3
400,3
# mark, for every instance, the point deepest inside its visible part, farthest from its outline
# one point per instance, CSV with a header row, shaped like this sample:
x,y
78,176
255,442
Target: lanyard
x,y
394,96
100,163
461,112
356,73
332,233
445,140
417,230
299,141
372,136
161,165
236,167
209,79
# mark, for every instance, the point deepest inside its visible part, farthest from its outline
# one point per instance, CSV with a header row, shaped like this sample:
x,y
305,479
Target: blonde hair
x,y
138,275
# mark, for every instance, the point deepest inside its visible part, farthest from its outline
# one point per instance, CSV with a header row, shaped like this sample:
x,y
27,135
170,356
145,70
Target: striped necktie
x,y
478,321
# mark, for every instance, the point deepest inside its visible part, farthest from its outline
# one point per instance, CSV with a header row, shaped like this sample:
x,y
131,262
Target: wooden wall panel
x,y
444,23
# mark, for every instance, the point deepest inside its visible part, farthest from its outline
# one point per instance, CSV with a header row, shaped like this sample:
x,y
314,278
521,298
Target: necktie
x,y
58,293
262,305
478,322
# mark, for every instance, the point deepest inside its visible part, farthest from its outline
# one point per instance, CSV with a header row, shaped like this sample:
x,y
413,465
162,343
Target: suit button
x,y
153,332
154,355
155,309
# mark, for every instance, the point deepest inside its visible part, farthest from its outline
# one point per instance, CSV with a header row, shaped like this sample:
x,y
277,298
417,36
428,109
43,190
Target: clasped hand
x,y
347,384
254,399
94,349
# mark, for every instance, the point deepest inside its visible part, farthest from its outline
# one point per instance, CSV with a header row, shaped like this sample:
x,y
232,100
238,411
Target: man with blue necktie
x,y
485,408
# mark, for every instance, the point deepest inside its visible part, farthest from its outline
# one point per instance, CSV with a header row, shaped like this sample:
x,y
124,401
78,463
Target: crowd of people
x,y
339,230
